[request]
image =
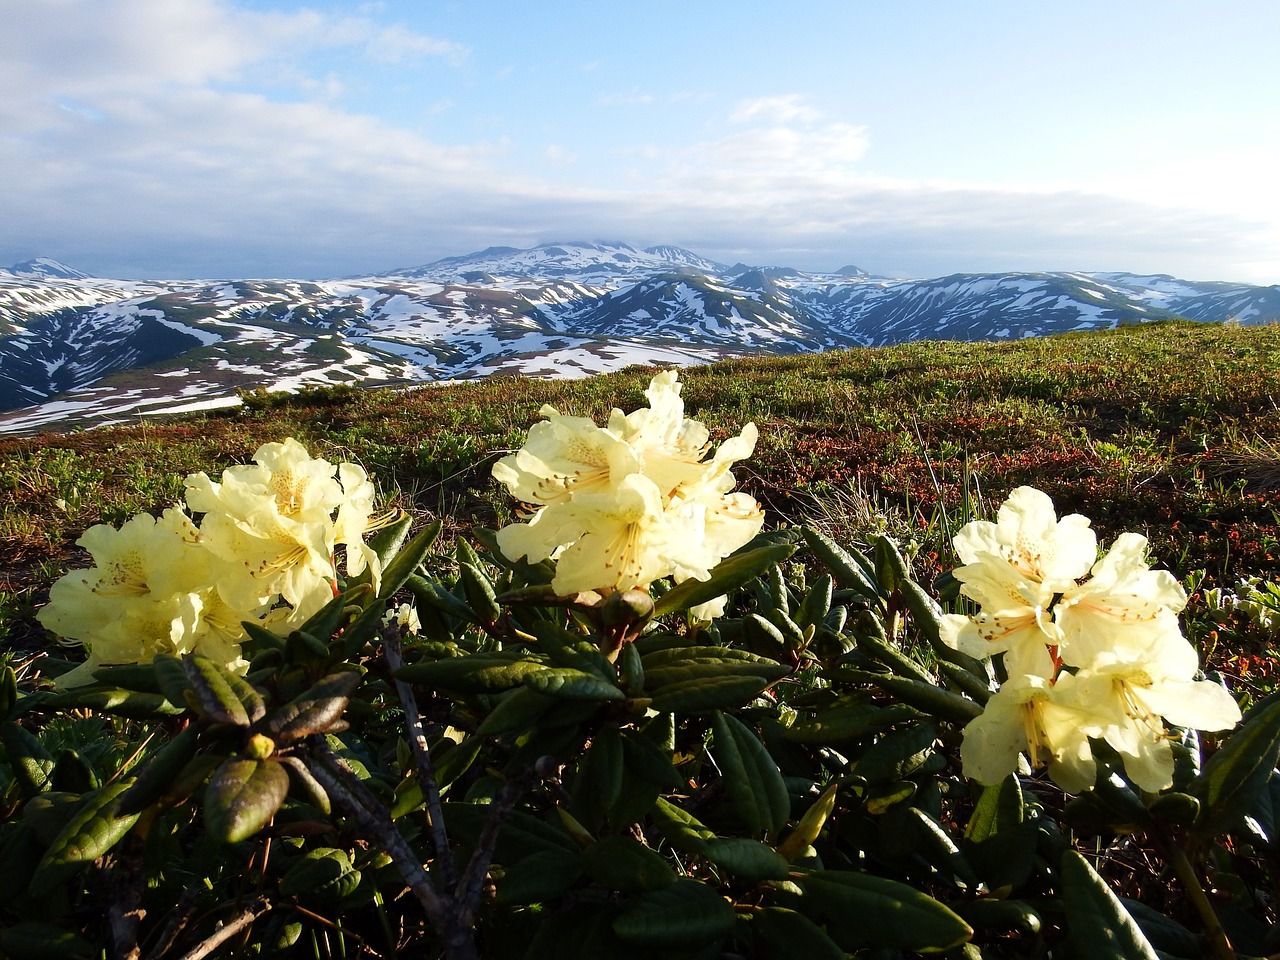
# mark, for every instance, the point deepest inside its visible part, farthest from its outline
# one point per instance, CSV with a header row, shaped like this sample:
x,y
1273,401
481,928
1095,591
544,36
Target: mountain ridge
x,y
77,350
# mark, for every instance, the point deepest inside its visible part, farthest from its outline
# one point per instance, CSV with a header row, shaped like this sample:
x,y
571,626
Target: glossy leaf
x,y
705,695
624,864
746,858
727,576
574,651
46,814
787,935
315,711
751,775
325,873
679,828
476,673
850,569
1000,807
847,721
565,683
95,828
31,763
598,782
693,669
516,711
398,572
242,796
898,754
121,702
1235,776
213,693
932,699
684,914
865,910
1098,925
539,877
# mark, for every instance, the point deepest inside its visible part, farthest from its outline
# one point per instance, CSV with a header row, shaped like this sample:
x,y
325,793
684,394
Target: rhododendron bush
x,y
638,721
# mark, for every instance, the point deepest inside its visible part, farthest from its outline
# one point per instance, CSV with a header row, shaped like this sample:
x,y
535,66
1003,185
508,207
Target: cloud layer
x,y
194,138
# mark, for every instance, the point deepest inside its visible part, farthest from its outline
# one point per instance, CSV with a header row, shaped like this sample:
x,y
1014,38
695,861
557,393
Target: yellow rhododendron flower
x,y
275,520
268,533
1093,650
1027,715
1122,609
1014,569
141,597
623,505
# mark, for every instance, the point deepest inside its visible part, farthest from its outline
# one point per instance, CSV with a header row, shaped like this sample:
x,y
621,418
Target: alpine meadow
x,y
961,648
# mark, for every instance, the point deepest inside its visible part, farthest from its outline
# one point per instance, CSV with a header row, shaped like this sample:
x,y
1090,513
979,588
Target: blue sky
x,y
205,138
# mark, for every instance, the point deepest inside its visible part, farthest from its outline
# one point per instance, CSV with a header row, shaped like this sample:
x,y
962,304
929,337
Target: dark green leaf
x,y
388,541
786,935
213,693
1235,776
130,676
865,910
32,764
850,569
598,782
95,828
624,864
932,699
516,711
631,670
999,916
307,786
848,721
898,754
242,796
475,673
680,829
573,650
727,576
999,808
752,777
1098,925
1164,933
480,593
125,703
704,695
685,914
397,573
747,858
46,814
72,772
539,877
566,683
316,710
648,761
325,873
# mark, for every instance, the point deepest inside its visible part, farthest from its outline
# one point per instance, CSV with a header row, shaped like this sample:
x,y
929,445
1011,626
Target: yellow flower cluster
x,y
263,551
623,505
1092,649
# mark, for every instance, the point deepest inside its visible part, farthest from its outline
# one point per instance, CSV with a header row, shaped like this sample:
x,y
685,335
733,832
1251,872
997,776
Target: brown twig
x,y
421,751
228,930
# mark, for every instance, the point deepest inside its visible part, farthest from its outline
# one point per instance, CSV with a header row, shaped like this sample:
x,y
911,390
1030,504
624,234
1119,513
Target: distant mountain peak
x,y
45,268
568,259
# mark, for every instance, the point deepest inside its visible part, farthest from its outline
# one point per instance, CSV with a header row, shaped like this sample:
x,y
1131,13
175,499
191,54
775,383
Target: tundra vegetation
x,y
946,648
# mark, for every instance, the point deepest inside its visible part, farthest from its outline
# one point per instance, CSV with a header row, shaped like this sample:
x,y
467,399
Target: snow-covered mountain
x,y
76,350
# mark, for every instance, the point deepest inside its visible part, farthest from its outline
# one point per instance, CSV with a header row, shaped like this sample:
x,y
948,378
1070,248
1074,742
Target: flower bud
x,y
626,608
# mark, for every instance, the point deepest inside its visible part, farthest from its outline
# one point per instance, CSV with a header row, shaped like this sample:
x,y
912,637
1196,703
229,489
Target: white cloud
x,y
789,108
134,142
